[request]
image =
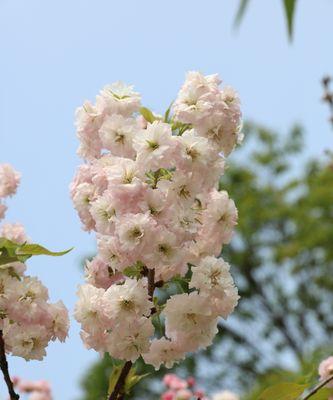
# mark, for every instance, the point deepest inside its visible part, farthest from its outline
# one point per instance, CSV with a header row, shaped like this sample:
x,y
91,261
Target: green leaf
x,y
8,251
283,391
147,114
132,379
179,128
8,247
116,371
289,8
153,177
38,250
11,252
4,260
322,394
167,113
134,271
240,13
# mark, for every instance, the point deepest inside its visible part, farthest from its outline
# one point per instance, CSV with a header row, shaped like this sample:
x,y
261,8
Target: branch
x,y
151,283
117,393
4,369
318,387
118,389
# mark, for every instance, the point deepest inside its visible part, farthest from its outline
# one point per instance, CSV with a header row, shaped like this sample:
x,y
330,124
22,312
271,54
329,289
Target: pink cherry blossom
x,y
148,188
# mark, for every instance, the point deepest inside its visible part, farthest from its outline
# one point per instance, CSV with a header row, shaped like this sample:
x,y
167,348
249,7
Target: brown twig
x,y
119,387
118,391
151,283
328,95
318,387
4,369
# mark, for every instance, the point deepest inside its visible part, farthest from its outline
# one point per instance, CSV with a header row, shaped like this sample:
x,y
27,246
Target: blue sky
x,y
56,54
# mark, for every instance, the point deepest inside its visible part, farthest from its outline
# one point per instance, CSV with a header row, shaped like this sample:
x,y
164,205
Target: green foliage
x,y
134,271
153,177
12,252
147,114
289,9
179,128
304,378
132,379
167,114
282,261
322,394
96,381
114,376
282,391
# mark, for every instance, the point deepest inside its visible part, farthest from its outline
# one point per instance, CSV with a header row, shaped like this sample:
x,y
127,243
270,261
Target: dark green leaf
x,y
289,8
241,11
4,259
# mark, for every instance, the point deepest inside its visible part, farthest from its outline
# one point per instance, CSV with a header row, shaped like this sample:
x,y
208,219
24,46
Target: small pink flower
x,y
174,382
9,180
169,395
14,232
326,369
191,381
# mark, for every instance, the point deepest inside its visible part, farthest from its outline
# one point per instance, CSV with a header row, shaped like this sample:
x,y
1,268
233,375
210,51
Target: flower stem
x,y
118,391
151,283
318,387
4,369
119,387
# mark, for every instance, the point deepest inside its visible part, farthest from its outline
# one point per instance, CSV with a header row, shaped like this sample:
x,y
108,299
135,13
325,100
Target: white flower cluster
x,y
149,190
9,181
27,320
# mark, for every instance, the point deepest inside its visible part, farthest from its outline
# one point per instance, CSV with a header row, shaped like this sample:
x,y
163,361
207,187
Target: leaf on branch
x,y
179,128
167,114
322,394
134,271
147,114
38,250
14,252
113,379
240,13
289,8
283,391
153,177
132,379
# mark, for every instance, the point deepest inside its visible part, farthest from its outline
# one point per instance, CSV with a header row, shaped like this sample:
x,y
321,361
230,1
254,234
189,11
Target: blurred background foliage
x,y
282,262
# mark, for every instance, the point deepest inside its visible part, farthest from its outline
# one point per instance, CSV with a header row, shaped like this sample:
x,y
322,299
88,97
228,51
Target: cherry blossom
x,y
148,189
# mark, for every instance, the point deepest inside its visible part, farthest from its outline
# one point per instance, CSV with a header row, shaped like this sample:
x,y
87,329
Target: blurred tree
x,y
282,261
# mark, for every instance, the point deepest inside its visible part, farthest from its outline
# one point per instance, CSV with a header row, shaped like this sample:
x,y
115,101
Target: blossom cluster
x,y
28,320
9,181
185,389
36,390
149,189
325,370
181,389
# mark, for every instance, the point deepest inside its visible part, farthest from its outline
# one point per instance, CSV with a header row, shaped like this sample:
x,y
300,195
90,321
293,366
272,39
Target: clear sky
x,y
55,54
